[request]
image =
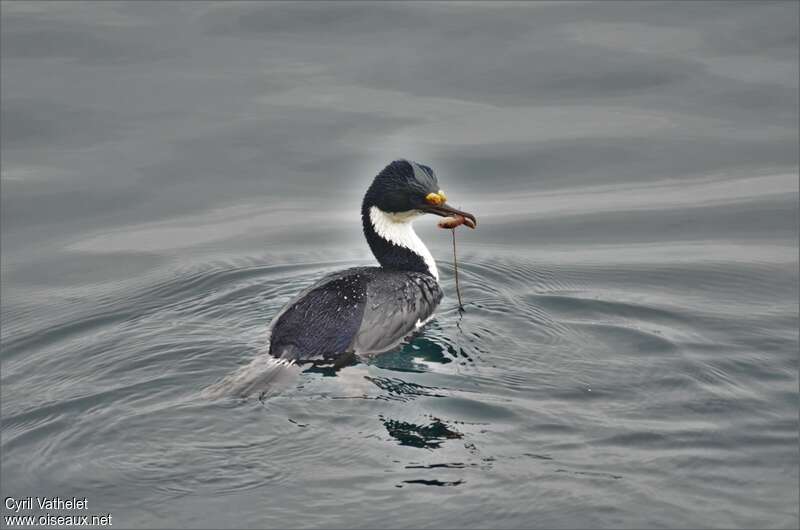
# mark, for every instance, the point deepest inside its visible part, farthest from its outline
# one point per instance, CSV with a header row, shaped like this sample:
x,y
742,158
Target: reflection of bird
x,y
367,310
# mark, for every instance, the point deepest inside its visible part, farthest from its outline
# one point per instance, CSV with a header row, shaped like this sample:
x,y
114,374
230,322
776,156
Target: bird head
x,y
406,189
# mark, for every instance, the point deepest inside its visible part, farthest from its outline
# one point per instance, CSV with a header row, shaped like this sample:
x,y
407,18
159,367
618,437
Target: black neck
x,y
389,255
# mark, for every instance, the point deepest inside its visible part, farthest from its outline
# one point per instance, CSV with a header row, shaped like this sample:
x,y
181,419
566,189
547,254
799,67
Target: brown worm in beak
x,y
455,221
452,222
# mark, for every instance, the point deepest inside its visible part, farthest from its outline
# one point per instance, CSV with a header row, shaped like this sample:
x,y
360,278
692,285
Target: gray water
x,y
172,174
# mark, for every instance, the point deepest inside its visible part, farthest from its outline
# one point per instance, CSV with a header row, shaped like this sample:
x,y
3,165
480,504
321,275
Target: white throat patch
x,y
396,228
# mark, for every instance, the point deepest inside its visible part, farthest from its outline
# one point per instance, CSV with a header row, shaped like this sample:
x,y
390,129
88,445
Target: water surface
x,y
628,354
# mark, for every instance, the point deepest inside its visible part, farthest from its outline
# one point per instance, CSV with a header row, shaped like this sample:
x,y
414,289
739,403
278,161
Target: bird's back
x,y
362,310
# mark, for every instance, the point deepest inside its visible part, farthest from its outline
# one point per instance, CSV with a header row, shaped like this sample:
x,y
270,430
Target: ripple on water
x,y
558,378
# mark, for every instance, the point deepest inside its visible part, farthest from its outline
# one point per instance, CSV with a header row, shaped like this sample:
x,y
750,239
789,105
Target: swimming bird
x,y
369,310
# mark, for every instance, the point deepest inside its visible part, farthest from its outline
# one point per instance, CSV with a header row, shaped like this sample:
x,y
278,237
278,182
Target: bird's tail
x,y
265,376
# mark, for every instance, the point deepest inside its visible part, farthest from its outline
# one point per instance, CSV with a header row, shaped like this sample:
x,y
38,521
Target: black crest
x,y
401,186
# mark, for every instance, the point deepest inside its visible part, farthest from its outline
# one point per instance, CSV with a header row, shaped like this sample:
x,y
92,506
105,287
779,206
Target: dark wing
x,y
323,320
397,303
